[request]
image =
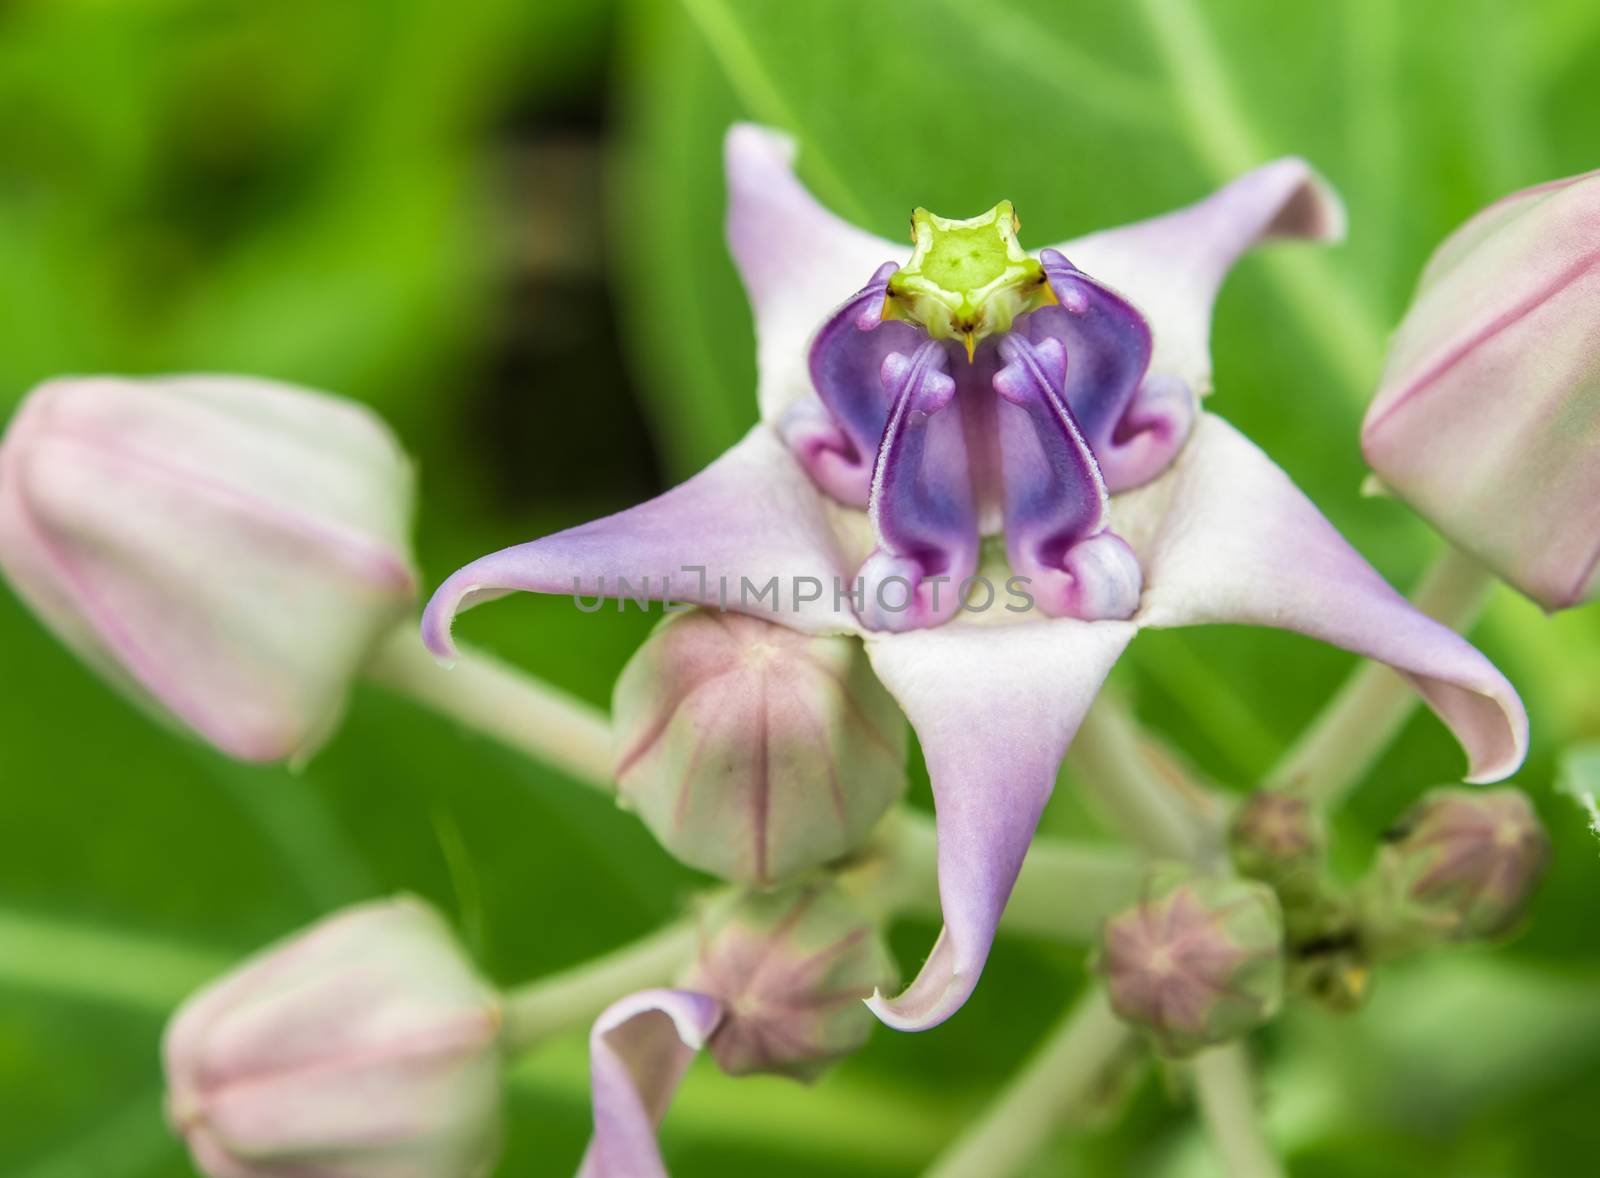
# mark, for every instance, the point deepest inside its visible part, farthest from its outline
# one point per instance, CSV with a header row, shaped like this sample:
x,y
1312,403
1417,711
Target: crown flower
x,y
995,484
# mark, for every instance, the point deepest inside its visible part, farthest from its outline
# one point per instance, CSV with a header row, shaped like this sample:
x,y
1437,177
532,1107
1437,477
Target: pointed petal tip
x,y
1505,756
1315,211
755,141
913,1012
437,620
937,992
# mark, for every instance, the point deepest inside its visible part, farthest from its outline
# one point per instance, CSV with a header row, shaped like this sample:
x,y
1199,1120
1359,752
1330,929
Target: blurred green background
x,y
499,222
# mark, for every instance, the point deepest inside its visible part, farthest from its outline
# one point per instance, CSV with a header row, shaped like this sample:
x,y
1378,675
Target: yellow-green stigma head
x,y
966,280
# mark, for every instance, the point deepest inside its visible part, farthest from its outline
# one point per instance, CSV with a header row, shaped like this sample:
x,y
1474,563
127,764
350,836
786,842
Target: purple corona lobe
x,y
1055,500
1133,423
921,505
838,441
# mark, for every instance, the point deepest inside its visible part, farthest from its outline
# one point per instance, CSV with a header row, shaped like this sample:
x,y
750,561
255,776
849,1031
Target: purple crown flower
x,y
993,469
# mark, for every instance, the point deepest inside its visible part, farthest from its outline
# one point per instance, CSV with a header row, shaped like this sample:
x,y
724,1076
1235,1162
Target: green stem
x,y
1228,1106
496,699
1065,890
539,1009
141,971
1366,714
1061,1075
1151,808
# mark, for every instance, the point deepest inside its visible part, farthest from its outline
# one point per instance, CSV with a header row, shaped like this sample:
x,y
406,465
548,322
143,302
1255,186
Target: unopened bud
x,y
1488,414
1276,836
791,970
1461,865
365,1044
752,751
226,551
1197,962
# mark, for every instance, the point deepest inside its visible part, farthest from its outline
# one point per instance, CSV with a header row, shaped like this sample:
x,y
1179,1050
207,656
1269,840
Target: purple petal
x,y
639,1049
1228,538
752,516
1172,266
1055,502
1133,425
837,440
797,259
921,506
995,708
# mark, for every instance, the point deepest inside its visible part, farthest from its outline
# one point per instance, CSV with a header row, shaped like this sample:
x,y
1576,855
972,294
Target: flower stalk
x,y
1155,810
1063,1074
493,698
1227,1096
547,1006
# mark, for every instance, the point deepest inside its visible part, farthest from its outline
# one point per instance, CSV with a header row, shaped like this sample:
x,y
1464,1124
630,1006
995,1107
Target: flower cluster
x,y
934,422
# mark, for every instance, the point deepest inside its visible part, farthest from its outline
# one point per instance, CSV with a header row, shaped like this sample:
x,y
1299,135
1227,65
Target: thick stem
x,y
1152,808
1062,1074
1228,1106
502,702
538,1009
1065,890
1366,714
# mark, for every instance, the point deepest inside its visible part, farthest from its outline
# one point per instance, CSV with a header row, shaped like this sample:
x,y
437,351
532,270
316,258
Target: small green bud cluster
x,y
1460,866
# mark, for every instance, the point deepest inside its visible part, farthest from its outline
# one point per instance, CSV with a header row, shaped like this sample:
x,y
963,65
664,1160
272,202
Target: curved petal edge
x,y
1238,542
995,708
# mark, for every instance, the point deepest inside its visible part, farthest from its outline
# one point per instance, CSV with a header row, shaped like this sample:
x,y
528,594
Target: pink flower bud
x,y
364,1045
1276,835
1460,865
227,551
791,970
1487,419
1197,962
753,751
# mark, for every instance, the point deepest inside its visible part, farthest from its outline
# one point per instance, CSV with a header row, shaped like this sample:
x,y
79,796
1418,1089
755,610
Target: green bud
x,y
1197,962
753,751
1277,836
966,280
791,969
1461,865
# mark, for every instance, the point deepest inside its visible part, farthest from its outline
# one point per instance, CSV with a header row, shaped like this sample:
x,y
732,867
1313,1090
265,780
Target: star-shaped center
x,y
966,280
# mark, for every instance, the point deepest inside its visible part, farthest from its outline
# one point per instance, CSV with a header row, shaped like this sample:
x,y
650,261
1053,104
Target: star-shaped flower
x,y
890,475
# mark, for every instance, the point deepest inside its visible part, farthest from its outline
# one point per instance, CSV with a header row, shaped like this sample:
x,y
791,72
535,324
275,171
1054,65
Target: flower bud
x,y
1461,865
791,969
1197,962
1488,414
363,1045
226,551
1276,836
752,751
